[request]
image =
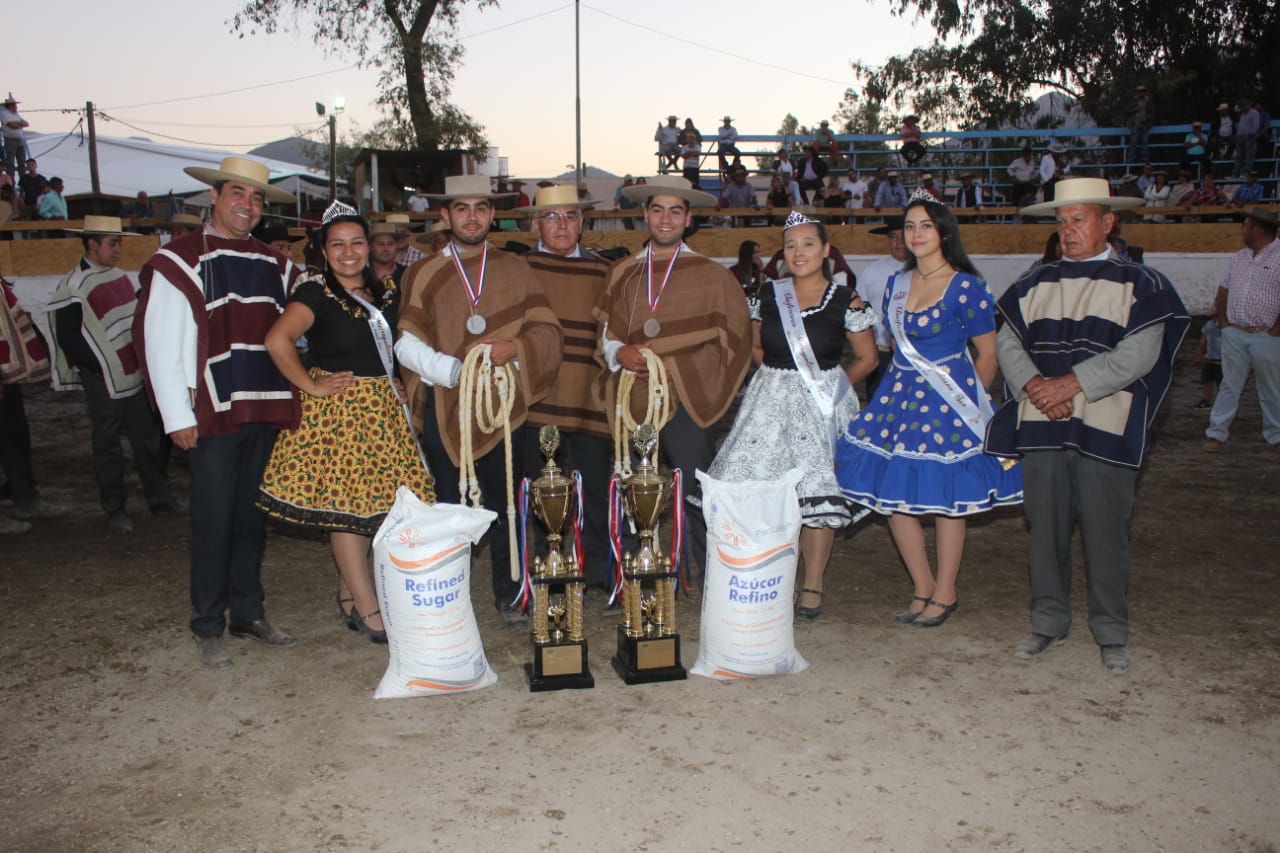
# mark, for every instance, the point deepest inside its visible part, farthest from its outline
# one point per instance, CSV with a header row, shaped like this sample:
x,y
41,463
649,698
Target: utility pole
x,y
94,183
577,94
333,156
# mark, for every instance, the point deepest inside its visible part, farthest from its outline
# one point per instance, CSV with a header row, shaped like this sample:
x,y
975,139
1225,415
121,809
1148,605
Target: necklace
x,y
936,270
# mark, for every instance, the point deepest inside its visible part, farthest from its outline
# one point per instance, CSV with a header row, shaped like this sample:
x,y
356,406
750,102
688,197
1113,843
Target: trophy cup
x,y
648,645
559,649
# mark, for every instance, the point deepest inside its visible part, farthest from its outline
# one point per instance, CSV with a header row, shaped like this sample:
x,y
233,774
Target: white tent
x,y
127,166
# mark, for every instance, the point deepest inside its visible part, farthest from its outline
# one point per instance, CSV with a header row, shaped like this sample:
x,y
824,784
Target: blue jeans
x,y
1241,352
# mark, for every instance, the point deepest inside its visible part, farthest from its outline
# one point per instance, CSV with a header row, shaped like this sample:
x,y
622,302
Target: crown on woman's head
x,y
337,210
795,218
922,194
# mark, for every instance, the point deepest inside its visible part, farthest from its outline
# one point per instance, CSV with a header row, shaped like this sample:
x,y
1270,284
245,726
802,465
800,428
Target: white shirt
x,y
1022,170
419,203
728,135
858,192
872,284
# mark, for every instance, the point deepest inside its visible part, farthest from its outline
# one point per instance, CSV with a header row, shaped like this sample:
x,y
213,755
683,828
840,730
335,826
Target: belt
x,y
1252,330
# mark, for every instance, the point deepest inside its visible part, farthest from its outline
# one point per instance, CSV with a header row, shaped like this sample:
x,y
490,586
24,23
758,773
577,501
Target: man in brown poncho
x,y
689,311
464,296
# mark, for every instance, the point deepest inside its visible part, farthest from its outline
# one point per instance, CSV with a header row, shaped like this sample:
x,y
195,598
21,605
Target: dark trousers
x,y
227,531
15,448
873,378
1059,487
146,436
690,448
491,469
591,456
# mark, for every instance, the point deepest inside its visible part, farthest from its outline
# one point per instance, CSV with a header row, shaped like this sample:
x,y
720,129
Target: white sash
x,y
802,354
975,415
382,338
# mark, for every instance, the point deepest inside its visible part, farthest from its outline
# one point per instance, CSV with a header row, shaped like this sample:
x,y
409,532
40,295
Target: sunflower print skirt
x,y
339,470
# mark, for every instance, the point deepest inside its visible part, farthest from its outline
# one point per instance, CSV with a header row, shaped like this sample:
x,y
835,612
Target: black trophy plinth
x,y
644,660
559,666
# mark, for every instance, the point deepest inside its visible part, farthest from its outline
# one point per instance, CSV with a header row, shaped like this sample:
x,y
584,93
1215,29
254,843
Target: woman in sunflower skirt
x,y
917,448
339,470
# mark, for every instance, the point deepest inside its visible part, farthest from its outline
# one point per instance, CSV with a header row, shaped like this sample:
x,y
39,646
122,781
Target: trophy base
x,y
560,666
642,660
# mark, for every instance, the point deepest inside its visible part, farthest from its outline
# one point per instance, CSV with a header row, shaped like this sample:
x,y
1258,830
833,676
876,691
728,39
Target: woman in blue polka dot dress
x,y
916,449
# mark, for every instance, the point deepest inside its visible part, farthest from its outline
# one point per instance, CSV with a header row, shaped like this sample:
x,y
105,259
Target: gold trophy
x,y
648,644
559,649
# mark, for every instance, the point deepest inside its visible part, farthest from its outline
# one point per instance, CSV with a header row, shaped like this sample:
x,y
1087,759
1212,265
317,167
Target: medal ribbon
x,y
653,300
473,293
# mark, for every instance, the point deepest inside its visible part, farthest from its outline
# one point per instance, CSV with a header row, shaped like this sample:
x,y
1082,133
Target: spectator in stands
x,y
1265,147
1224,132
912,149
968,194
891,193
621,202
1181,188
691,152
1157,195
1052,249
690,130
1247,127
812,170
728,144
1247,308
406,254
10,208
418,202
749,270
275,235
52,204
1140,114
182,224
1123,247
738,193
824,142
927,184
783,166
139,208
668,138
1053,168
784,194
1250,192
1129,187
15,141
1147,178
436,238
382,252
522,197
873,185
1196,149
31,185
1022,171
1209,194
855,190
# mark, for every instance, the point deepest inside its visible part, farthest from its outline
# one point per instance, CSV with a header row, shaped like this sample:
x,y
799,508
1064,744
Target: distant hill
x,y
294,149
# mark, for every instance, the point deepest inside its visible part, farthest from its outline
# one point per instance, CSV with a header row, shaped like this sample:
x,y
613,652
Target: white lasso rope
x,y
480,377
657,409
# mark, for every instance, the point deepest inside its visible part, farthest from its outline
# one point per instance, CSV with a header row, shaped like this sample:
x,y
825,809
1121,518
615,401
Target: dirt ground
x,y
895,739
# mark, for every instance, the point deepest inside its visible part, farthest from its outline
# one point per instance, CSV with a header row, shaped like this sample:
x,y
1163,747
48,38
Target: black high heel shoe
x,y
362,625
348,616
937,621
810,613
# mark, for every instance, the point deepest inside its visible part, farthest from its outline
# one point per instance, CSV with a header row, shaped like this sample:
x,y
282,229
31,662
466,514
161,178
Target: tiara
x,y
922,194
795,218
337,210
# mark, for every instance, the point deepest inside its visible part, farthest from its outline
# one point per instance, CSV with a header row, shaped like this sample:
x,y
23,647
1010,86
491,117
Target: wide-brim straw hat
x,y
1057,148
1071,191
245,171
187,219
669,185
394,219
106,226
440,227
555,196
467,186
379,228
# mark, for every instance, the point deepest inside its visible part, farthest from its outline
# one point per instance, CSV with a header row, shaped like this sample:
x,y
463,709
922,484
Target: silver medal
x,y
652,327
475,324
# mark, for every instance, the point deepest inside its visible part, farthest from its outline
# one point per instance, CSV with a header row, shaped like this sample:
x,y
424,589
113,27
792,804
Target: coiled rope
x,y
657,409
478,382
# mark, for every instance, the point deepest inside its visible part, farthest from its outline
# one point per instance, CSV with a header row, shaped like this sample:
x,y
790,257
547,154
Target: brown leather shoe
x,y
212,653
262,631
